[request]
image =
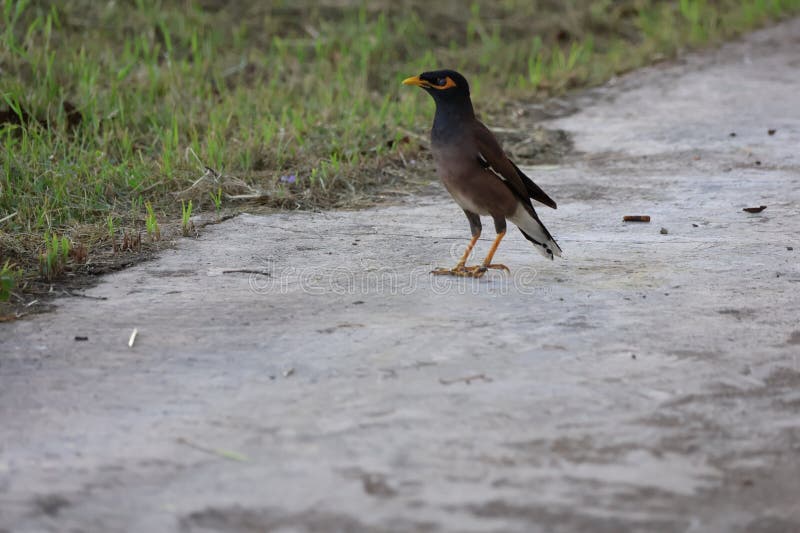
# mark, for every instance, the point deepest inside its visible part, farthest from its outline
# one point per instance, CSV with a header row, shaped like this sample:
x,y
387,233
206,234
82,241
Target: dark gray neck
x,y
452,117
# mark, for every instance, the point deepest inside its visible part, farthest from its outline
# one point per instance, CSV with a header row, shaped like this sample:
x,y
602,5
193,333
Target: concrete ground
x,y
646,382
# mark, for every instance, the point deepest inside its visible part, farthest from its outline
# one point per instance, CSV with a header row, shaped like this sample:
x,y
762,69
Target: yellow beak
x,y
415,80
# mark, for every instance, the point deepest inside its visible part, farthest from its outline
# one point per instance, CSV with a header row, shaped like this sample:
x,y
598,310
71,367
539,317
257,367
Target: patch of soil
x,y
35,295
536,145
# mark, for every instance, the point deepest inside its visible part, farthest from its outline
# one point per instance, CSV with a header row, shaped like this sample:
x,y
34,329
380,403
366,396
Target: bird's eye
x,y
441,81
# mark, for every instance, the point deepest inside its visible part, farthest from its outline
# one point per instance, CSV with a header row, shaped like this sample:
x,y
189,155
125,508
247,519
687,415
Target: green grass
x,y
186,215
9,275
151,223
113,109
53,260
216,199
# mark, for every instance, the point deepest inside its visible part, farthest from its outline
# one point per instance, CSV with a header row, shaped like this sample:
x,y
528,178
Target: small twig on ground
x,y
225,454
235,69
151,187
467,379
246,271
8,217
75,295
403,158
133,337
253,196
188,151
17,296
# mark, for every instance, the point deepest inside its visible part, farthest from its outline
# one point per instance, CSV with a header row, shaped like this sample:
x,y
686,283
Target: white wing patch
x,y
485,164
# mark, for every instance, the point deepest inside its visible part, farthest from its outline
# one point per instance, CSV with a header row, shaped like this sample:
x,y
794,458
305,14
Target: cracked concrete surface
x,y
647,382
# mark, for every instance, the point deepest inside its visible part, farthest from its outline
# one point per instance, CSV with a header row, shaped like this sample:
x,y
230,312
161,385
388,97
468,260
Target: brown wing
x,y
492,156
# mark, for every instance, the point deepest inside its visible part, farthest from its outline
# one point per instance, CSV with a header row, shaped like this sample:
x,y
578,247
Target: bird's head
x,y
445,86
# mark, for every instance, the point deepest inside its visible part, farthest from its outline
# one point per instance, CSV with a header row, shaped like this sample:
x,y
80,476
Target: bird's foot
x,y
458,270
480,270
497,266
468,272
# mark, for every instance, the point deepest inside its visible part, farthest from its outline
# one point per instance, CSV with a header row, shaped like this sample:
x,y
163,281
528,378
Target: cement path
x,y
646,382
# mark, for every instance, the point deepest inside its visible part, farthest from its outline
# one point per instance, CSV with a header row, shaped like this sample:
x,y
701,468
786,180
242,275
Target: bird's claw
x,y
468,272
497,266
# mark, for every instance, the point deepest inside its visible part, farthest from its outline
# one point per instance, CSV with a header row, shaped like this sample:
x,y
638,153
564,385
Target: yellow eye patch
x,y
448,82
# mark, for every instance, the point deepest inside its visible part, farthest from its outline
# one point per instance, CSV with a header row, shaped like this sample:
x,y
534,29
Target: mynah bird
x,y
477,173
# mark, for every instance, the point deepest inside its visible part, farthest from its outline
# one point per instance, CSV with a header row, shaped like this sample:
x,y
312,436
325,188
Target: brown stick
x,y
467,379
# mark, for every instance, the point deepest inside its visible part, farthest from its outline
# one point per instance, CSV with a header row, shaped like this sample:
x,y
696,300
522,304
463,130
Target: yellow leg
x,y
493,249
478,271
459,269
470,246
474,271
